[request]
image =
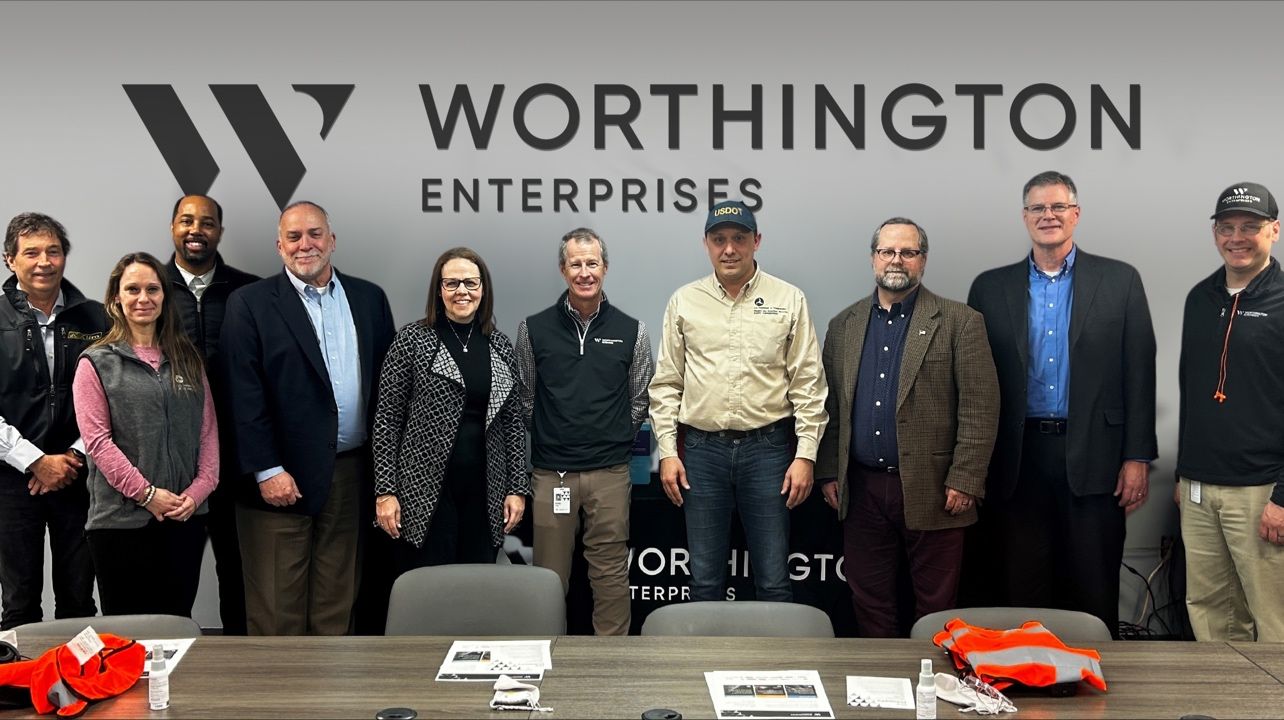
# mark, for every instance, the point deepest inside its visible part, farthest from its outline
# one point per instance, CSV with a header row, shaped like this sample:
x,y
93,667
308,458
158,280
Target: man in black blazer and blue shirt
x,y
1075,353
302,351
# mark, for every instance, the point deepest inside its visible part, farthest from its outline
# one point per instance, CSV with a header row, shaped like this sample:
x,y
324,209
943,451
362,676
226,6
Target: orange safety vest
x,y
58,682
1030,655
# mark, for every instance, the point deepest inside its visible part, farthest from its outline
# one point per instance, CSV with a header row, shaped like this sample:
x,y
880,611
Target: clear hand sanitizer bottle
x,y
158,680
925,693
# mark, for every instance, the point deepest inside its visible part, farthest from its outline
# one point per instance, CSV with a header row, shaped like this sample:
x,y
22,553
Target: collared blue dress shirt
x,y
1048,378
331,317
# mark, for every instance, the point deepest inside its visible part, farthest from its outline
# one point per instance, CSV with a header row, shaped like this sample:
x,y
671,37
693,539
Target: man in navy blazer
x,y
1075,353
302,351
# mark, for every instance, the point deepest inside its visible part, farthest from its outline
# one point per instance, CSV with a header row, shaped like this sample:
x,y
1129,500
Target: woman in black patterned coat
x,y
449,444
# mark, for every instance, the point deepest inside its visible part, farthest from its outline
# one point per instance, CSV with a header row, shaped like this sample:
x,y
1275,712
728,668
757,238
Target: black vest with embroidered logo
x,y
581,418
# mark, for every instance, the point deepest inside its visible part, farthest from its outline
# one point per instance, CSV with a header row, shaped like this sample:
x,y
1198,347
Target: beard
x,y
195,256
895,280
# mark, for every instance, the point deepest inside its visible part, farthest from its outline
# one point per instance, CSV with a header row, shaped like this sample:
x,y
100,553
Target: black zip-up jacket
x,y
581,419
1236,441
42,410
203,326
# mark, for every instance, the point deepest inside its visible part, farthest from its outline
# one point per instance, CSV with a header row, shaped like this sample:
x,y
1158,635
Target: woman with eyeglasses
x,y
449,443
144,410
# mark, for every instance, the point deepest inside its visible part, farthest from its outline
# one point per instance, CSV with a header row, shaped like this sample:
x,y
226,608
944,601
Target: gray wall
x,y
73,145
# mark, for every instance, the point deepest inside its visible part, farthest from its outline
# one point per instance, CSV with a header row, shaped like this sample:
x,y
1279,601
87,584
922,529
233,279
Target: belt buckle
x,y
1052,427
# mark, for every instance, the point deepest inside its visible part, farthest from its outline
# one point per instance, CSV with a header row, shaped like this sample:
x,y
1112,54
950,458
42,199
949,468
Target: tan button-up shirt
x,y
738,364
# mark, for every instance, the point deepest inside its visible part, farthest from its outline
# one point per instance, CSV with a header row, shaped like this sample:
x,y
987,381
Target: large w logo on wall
x,y
261,134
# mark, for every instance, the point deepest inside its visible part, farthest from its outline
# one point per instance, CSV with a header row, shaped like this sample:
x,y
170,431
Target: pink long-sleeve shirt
x,y
94,418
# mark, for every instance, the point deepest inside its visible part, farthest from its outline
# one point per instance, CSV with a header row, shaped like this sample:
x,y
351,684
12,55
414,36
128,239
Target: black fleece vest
x,y
581,419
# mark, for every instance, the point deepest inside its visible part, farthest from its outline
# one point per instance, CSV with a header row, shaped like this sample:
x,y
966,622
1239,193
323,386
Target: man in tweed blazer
x,y
913,412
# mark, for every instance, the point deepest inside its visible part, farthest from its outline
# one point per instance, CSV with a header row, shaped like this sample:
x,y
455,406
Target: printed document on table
x,y
774,694
174,651
488,659
880,692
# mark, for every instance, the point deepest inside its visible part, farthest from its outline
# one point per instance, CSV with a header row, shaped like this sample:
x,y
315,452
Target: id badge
x,y
561,500
1195,491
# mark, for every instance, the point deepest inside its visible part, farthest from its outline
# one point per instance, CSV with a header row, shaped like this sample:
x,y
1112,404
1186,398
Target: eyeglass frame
x,y
1218,227
447,282
1051,207
905,255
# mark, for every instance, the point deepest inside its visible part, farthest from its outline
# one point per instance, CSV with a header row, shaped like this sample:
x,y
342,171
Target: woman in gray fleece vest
x,y
144,410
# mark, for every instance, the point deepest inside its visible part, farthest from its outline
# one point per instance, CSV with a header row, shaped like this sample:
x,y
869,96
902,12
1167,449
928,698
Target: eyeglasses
x,y
1248,230
452,284
1056,208
888,254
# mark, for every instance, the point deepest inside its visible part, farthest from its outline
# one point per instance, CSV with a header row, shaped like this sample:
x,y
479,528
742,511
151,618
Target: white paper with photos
x,y
774,694
486,660
174,651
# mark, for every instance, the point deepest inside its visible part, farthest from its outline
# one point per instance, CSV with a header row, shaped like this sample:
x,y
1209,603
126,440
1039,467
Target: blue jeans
x,y
744,473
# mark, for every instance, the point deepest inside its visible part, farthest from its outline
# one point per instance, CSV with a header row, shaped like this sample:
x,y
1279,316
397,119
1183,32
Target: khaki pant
x,y
301,571
599,503
1234,579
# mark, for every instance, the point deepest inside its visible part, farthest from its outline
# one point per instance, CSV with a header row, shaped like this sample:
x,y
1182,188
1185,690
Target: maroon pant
x,y
875,540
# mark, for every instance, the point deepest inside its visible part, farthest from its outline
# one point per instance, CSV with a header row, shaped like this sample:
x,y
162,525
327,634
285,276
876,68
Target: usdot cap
x,y
1247,197
731,211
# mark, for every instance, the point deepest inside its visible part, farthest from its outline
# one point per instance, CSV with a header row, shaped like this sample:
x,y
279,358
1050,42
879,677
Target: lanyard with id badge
x,y
561,495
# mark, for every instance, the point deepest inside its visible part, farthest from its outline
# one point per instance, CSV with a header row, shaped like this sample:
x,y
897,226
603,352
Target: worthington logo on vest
x,y
737,118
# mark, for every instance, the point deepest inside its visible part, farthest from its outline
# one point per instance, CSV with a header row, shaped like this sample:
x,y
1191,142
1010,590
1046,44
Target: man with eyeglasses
x,y
913,410
301,352
584,367
1073,345
738,408
1230,461
201,283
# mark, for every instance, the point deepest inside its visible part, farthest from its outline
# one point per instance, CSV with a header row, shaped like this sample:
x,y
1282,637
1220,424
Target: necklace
x,y
462,341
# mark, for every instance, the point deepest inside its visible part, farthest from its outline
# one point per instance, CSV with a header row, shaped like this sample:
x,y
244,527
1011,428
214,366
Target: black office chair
x,y
477,600
1069,625
740,618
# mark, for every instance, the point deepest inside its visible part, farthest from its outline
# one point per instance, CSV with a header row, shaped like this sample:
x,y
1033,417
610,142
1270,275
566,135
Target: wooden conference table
x,y
354,677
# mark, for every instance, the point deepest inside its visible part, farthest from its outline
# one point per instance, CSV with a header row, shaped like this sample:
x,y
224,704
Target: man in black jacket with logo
x,y
585,367
44,324
1230,460
201,282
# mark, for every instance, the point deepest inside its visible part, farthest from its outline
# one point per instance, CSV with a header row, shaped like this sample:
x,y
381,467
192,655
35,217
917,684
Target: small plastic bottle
x,y
158,680
925,693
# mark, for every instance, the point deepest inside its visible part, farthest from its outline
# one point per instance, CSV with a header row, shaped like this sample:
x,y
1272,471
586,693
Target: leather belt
x,y
891,469
742,434
1047,426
